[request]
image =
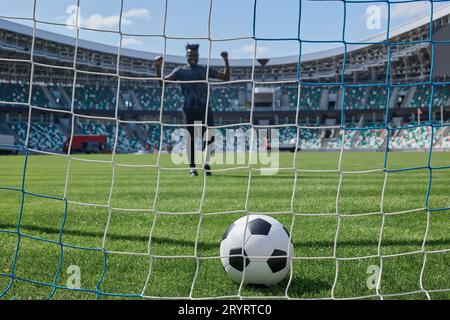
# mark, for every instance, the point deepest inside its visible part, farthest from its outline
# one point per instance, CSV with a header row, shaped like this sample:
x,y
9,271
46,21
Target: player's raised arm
x,y
158,66
225,74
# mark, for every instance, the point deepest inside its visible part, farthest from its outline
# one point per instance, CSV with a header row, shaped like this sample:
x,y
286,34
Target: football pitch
x,y
339,234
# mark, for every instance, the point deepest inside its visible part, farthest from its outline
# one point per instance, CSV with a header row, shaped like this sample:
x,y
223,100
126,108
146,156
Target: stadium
x,y
88,181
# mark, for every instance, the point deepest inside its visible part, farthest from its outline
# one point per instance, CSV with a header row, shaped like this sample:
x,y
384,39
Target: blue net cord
x,y
344,86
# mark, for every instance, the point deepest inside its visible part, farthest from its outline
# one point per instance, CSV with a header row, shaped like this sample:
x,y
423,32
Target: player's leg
x,y
208,141
190,141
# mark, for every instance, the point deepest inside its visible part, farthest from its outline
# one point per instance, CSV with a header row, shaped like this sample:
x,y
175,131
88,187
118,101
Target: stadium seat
x,y
95,97
412,137
355,98
376,98
14,92
43,136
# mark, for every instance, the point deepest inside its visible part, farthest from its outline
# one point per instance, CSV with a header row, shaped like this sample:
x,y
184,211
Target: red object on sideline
x,y
86,143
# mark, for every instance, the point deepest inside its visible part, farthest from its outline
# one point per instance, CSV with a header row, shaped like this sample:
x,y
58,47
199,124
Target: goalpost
x,y
338,214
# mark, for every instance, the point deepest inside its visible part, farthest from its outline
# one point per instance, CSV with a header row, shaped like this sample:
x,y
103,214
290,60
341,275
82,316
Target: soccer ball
x,y
266,248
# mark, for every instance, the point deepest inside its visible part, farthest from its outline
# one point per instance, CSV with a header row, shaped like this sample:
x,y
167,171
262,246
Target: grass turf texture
x,y
174,235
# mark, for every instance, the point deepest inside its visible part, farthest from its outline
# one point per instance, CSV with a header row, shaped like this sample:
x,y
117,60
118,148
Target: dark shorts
x,y
192,115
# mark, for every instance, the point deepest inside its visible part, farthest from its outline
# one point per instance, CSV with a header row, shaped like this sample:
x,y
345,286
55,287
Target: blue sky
x,y
319,20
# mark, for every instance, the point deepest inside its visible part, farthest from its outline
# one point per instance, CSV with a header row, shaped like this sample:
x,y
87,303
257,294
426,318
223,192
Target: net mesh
x,y
380,258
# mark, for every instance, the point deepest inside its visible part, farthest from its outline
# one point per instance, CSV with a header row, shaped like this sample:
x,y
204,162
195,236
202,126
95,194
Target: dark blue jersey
x,y
195,94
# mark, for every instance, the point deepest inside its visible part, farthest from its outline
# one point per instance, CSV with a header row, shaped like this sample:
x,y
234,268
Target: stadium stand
x,y
421,98
286,134
126,142
151,136
149,98
320,95
337,136
370,139
417,137
446,142
60,95
441,96
43,136
39,98
310,97
292,93
224,98
355,98
309,139
95,97
14,92
173,99
376,98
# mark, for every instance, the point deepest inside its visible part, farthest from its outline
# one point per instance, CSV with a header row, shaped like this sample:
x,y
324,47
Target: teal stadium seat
x,y
95,98
354,98
43,136
376,98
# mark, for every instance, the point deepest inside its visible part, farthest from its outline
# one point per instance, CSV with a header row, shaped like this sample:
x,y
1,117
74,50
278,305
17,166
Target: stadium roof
x,y
95,46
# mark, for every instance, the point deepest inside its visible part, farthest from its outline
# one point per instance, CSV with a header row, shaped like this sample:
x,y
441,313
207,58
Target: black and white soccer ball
x,y
265,253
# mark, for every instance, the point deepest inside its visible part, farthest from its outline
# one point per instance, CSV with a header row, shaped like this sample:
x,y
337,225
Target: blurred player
x,y
195,96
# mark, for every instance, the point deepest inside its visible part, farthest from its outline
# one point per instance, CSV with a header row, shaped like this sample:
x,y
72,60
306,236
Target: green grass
x,y
175,235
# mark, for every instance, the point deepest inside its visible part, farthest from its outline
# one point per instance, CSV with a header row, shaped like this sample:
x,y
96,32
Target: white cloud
x,y
409,10
403,10
244,49
247,51
97,21
131,42
262,51
137,13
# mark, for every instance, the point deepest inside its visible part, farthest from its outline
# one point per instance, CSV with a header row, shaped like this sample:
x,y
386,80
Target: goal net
x,y
363,226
